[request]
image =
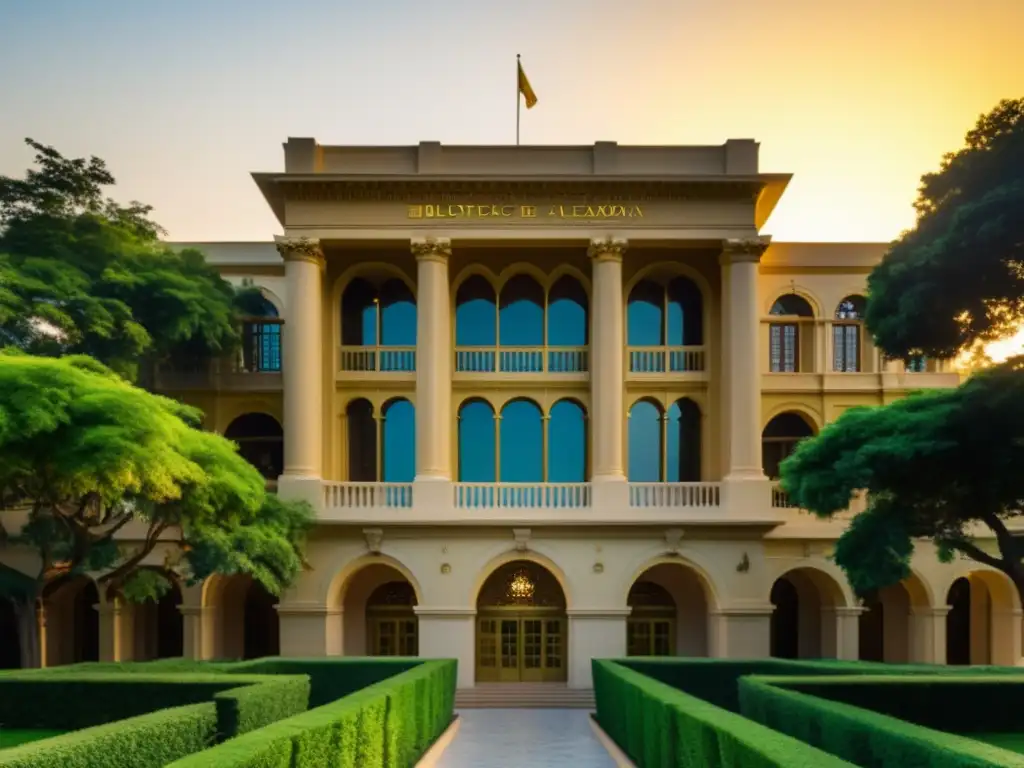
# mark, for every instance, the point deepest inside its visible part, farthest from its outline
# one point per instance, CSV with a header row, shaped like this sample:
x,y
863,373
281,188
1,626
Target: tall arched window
x,y
668,315
664,446
261,337
567,443
477,443
380,315
846,335
260,441
507,331
790,313
381,448
780,438
521,435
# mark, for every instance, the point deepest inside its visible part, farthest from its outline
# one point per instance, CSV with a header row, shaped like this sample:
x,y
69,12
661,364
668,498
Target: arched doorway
x,y
886,628
245,618
158,626
521,626
72,633
803,624
669,614
982,626
10,640
378,613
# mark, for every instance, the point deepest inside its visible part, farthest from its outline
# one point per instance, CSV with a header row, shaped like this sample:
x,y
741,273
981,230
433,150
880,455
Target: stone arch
x,y
477,443
676,269
796,290
685,630
375,597
513,555
806,412
156,627
780,437
983,625
892,622
521,624
242,617
260,440
686,561
807,600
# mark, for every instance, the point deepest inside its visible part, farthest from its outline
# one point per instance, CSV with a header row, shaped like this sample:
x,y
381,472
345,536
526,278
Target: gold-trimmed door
x,y
515,648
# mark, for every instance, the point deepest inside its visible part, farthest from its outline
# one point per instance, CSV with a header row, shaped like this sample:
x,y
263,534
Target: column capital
x,y
431,248
743,250
607,249
300,249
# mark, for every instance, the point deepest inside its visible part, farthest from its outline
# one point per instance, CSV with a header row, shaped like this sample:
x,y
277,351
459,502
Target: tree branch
x,y
976,553
116,576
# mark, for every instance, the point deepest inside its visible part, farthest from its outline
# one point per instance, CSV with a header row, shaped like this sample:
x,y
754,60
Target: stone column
x,y
746,489
741,632
433,359
845,622
302,369
449,633
115,630
928,634
607,355
305,629
594,633
197,642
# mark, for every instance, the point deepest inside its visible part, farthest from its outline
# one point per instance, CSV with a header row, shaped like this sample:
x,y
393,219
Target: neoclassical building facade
x,y
538,397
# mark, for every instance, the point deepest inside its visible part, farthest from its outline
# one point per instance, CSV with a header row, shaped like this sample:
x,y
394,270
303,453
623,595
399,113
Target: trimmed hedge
x,y
716,680
658,725
148,741
389,724
866,738
73,701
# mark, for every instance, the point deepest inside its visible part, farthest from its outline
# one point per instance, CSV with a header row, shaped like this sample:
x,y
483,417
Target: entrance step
x,y
524,696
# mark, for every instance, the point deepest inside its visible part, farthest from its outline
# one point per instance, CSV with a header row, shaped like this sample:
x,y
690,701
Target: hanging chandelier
x,y
521,587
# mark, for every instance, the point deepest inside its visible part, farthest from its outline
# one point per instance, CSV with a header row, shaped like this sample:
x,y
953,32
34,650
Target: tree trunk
x,y
28,631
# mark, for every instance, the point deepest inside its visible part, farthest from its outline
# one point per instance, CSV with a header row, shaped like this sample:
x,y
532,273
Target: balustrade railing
x,y
660,360
522,495
367,495
378,359
660,495
519,360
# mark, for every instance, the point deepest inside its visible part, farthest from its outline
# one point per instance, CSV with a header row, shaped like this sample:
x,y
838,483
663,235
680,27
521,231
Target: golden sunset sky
x,y
184,99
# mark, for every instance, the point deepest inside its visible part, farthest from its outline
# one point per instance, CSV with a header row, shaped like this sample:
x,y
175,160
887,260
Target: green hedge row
x,y
872,739
389,724
73,701
149,741
658,725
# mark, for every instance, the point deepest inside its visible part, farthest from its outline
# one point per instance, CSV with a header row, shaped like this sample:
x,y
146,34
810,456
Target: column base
x,y
306,488
446,633
741,633
747,496
432,494
609,492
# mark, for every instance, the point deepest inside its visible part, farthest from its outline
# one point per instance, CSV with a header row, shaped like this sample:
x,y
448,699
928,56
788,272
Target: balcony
x,y
569,363
857,381
216,375
504,503
370,363
660,361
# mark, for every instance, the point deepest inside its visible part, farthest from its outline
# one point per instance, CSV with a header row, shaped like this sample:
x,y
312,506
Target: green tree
x,y
83,454
82,274
941,465
957,277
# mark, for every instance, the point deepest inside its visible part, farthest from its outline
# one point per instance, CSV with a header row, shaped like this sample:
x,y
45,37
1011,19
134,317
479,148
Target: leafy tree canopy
x,y
957,278
82,274
943,465
88,454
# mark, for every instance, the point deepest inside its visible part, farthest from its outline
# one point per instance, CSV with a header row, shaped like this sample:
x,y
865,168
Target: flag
x,y
526,89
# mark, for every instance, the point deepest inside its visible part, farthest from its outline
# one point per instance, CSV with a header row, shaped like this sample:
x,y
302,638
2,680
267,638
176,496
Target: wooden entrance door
x,y
649,637
521,648
393,636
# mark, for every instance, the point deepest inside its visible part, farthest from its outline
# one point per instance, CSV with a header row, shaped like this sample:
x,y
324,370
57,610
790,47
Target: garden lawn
x,y
12,737
1014,742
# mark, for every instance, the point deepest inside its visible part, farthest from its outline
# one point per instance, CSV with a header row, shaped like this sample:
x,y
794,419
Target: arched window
x,y
381,315
779,440
476,325
665,314
260,442
664,446
477,443
381,449
789,313
567,325
846,333
261,337
567,443
521,436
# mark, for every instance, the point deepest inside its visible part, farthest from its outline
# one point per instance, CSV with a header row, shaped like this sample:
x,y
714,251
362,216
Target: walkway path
x,y
525,738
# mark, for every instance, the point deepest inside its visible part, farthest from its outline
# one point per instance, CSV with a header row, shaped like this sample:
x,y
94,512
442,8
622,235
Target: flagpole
x,y
518,100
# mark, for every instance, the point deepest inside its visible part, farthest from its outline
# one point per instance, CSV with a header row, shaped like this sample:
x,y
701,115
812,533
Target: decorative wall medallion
x,y
522,537
599,567
673,540
446,568
374,537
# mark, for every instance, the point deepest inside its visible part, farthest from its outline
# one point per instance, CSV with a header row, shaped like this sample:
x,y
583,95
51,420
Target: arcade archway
x,y
72,622
378,613
982,626
886,628
157,626
669,615
244,615
803,624
521,626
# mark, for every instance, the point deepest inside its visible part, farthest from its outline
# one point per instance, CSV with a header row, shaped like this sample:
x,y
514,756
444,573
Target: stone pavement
x,y
525,738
